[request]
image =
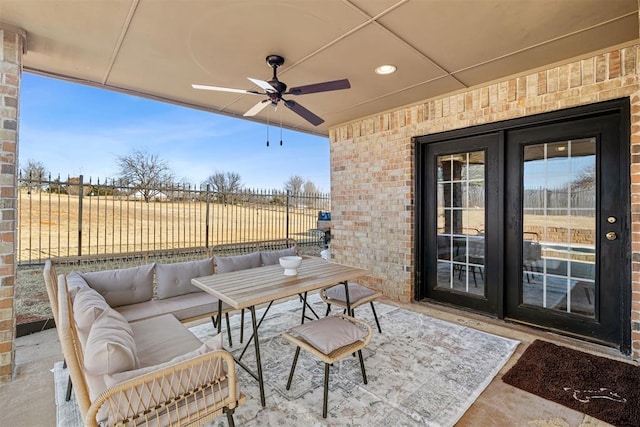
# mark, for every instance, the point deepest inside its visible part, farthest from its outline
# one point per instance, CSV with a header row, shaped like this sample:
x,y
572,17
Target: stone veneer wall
x,y
11,49
372,171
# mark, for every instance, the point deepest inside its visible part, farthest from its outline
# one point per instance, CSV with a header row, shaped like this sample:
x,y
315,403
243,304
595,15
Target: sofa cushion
x,y
75,283
237,262
212,344
160,339
110,346
123,286
356,293
329,333
88,305
273,257
175,279
183,307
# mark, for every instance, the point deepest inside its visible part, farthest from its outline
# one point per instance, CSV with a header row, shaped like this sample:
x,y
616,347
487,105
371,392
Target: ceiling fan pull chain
x,y
281,128
267,129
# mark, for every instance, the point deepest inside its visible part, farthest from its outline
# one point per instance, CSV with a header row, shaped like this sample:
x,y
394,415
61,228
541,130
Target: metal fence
x,y
85,218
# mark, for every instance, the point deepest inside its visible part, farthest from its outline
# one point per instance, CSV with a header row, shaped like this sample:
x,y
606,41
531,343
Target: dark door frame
x,y
617,106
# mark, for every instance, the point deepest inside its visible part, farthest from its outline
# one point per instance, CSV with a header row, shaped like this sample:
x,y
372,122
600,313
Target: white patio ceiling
x,y
157,49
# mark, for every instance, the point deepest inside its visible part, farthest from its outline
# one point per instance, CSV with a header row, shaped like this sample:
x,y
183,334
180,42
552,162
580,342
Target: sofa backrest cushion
x,y
237,262
88,305
273,257
110,346
175,279
123,286
75,283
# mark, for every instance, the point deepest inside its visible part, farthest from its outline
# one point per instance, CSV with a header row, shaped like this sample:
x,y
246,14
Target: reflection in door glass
x,y
559,223
461,222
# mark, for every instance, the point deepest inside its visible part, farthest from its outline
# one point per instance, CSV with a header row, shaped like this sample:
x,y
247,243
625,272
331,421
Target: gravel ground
x,y
32,301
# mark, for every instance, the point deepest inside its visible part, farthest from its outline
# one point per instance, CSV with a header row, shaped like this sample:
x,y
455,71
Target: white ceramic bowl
x,y
290,264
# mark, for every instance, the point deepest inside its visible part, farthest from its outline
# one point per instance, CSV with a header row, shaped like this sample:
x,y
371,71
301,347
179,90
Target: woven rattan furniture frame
x,y
51,284
353,303
183,394
332,357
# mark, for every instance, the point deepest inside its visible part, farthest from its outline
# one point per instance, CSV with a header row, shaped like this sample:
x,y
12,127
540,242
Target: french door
x,y
463,224
528,220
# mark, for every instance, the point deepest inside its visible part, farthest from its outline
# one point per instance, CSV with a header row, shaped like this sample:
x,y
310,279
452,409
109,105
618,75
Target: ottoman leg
x,y
293,367
326,390
364,374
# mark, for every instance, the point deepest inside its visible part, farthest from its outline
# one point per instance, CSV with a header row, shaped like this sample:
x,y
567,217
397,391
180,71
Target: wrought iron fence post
x,y
287,215
206,221
80,197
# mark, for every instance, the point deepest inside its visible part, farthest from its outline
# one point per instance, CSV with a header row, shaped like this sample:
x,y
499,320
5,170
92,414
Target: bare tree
x,y
224,184
586,178
32,175
310,188
145,172
294,185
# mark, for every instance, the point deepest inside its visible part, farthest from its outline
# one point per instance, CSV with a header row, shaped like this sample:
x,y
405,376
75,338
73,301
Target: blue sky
x,y
74,129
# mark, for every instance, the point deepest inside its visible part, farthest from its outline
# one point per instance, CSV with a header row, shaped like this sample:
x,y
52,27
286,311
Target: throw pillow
x,y
110,346
88,305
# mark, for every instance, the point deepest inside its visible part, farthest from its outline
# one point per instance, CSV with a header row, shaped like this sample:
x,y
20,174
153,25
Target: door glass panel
x,y
461,222
559,224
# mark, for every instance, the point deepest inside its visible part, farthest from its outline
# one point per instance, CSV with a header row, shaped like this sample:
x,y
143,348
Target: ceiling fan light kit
x,y
274,89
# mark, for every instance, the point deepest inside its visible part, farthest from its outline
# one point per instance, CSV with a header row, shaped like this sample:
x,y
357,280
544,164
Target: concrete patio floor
x,y
29,399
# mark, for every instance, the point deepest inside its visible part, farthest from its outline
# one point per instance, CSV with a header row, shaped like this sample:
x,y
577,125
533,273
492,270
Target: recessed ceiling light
x,y
386,69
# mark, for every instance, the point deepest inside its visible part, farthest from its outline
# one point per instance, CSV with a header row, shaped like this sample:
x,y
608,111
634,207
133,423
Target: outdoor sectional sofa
x,y
130,358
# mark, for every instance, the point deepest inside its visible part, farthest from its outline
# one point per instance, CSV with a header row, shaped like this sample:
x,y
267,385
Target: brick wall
x,y
11,46
372,174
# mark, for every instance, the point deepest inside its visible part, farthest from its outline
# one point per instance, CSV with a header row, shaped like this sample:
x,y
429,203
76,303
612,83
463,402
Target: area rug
x,y
603,388
421,371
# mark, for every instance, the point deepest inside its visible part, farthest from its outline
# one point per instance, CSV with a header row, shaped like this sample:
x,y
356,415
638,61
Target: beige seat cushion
x,y
123,286
356,293
273,257
183,307
237,262
175,279
160,339
110,346
212,344
329,333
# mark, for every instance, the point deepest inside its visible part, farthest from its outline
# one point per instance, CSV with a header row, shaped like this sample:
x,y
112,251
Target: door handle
x,y
611,235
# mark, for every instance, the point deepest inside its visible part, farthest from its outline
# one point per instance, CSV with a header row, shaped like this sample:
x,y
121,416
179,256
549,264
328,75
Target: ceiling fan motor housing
x,y
275,61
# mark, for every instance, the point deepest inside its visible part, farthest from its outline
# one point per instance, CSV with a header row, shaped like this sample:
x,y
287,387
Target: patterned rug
x,y
421,371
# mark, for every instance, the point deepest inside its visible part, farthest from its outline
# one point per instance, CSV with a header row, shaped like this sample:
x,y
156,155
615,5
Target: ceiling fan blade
x,y
257,108
303,112
225,89
320,87
264,85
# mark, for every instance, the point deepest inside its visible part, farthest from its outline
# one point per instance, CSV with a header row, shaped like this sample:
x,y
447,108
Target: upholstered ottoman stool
x,y
330,339
358,295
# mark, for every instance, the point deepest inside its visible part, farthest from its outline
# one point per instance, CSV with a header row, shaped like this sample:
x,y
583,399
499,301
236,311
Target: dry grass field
x,y
51,225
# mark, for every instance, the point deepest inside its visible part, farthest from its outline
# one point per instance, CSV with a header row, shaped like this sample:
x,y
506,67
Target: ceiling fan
x,y
274,89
